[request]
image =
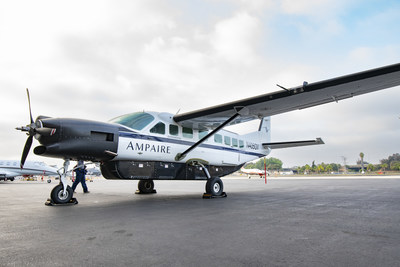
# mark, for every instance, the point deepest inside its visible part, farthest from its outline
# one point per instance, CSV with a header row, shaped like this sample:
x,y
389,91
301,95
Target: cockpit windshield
x,y
136,121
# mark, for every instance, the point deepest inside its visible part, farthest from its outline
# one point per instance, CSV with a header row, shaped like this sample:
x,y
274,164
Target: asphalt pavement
x,y
287,222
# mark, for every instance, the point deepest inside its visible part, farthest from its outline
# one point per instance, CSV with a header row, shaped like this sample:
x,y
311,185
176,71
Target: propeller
x,y
29,102
25,152
32,129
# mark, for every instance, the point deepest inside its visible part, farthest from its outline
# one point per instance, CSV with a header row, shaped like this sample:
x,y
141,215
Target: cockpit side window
x,y
137,121
159,128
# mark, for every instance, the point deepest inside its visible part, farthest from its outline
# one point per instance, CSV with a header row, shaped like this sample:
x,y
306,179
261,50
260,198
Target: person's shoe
x,y
86,192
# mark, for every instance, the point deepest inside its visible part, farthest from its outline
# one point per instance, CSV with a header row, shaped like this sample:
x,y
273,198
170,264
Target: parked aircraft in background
x,y
9,169
149,146
257,172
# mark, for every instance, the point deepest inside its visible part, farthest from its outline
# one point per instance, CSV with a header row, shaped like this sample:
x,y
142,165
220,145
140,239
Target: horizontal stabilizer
x,y
277,145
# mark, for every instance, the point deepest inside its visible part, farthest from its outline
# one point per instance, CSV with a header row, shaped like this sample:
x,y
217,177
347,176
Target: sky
x,y
101,59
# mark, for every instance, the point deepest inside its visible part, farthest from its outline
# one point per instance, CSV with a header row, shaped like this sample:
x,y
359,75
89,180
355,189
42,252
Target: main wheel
x,y
58,196
214,186
146,186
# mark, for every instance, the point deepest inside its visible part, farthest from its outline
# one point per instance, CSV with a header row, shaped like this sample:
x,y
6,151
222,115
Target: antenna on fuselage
x,y
280,86
177,112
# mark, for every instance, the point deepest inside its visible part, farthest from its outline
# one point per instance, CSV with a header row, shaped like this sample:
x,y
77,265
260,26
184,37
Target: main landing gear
x,y
146,187
62,193
214,188
214,185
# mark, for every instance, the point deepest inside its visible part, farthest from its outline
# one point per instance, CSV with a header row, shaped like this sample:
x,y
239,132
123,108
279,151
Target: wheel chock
x,y
50,202
146,193
209,196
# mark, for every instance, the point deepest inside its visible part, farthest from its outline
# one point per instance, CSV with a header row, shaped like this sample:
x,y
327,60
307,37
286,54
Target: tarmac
x,y
346,221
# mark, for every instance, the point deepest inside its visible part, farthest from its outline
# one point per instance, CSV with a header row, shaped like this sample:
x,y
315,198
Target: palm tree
x,y
329,168
362,162
384,166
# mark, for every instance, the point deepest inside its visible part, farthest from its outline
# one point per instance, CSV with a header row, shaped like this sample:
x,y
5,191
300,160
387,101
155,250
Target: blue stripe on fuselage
x,y
186,143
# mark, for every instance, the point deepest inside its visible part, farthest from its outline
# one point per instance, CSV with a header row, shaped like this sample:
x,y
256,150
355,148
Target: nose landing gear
x,y
62,193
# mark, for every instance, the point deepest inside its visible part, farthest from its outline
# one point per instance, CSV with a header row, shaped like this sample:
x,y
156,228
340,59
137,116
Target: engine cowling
x,y
78,139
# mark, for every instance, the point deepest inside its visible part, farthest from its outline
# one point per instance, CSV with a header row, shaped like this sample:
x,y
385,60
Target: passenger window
x,y
227,140
187,132
241,143
173,130
218,138
202,134
159,128
234,142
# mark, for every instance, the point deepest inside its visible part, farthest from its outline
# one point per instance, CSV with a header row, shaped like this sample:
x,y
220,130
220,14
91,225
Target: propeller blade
x,y
27,147
29,102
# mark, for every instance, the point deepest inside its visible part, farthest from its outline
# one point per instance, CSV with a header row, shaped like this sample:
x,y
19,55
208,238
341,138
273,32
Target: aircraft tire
x,y
214,186
146,186
57,194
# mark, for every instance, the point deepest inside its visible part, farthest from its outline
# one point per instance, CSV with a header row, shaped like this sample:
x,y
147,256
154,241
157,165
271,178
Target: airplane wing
x,y
7,174
300,97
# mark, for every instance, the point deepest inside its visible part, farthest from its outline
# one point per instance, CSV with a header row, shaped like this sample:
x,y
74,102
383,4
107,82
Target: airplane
x,y
249,172
148,146
9,169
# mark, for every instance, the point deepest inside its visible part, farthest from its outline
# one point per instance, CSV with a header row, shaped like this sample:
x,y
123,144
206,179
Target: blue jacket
x,y
80,172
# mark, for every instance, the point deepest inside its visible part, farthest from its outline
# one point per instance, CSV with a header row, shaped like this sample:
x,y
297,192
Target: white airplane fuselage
x,y
223,148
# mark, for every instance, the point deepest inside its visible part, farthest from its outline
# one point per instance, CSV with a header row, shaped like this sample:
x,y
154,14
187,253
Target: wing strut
x,y
182,155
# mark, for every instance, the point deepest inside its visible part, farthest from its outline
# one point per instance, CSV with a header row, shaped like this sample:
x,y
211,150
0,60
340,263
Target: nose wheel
x,y
58,196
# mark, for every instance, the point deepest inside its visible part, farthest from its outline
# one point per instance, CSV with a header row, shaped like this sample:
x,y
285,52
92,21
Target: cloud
x,y
313,8
235,39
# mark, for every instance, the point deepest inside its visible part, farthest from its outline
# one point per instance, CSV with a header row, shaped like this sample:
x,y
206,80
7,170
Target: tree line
x,y
392,163
271,163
